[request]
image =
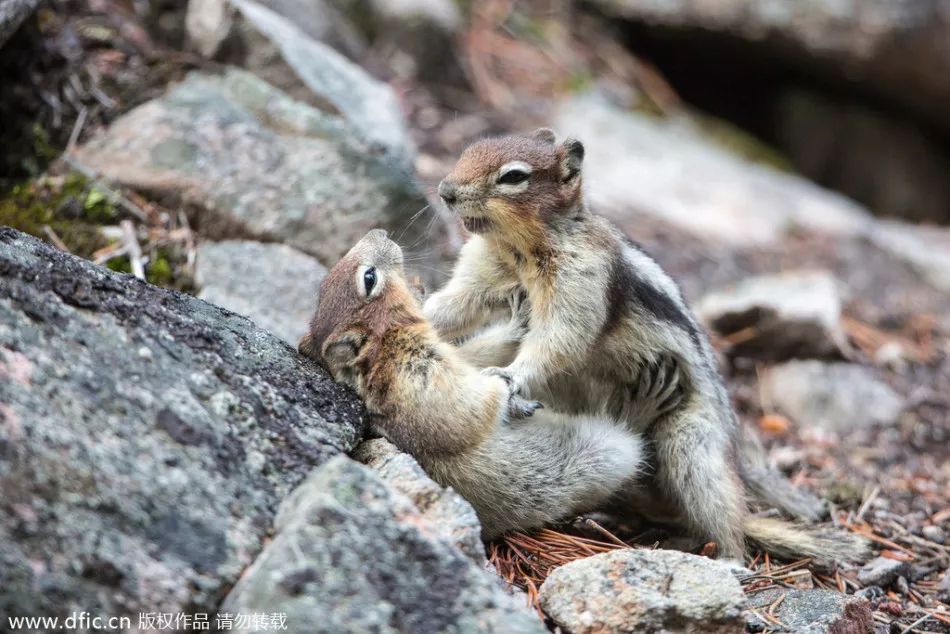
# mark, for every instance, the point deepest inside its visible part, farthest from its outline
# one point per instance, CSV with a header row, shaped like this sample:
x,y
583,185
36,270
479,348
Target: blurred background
x,y
787,162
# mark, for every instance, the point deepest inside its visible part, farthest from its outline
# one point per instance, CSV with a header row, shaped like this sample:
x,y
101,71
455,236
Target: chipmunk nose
x,y
448,191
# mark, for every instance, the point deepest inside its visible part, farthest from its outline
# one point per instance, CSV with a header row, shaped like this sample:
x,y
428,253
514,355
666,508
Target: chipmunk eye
x,y
513,177
369,280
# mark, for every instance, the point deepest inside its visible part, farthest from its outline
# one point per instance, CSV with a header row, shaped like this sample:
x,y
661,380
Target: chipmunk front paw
x,y
516,385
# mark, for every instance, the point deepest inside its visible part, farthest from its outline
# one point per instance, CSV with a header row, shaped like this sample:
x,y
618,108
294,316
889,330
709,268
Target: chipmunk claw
x,y
520,408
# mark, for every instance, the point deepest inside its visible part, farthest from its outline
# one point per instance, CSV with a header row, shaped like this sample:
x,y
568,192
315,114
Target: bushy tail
x,y
790,541
769,488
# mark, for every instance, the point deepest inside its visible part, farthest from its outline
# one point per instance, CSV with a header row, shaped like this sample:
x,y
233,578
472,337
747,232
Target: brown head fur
x,y
350,324
515,210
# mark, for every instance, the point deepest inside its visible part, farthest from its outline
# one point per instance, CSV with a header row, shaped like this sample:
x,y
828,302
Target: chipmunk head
x,y
501,183
365,293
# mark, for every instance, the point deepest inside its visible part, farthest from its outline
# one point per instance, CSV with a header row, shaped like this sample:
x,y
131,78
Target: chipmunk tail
x,y
791,541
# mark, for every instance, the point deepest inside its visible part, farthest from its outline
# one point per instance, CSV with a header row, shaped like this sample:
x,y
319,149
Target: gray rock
x,y
882,571
208,24
146,438
370,107
273,285
836,397
415,37
352,555
633,590
943,589
251,162
666,168
898,49
925,248
810,612
789,315
445,512
934,533
214,27
12,15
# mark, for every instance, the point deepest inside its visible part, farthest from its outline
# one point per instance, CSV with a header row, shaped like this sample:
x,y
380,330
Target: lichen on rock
x,y
146,438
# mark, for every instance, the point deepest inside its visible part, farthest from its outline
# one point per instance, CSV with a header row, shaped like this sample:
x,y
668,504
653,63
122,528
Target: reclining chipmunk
x,y
369,333
601,317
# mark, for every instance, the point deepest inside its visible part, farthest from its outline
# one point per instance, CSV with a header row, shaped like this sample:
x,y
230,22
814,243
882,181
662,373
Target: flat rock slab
x,y
795,314
637,164
836,397
352,555
635,590
251,162
810,612
273,285
146,438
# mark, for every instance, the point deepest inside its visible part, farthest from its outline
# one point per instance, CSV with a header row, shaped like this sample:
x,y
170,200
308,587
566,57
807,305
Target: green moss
x,y
120,265
160,271
165,268
67,205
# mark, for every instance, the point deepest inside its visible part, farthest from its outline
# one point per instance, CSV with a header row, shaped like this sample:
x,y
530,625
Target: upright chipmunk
x,y
369,332
602,317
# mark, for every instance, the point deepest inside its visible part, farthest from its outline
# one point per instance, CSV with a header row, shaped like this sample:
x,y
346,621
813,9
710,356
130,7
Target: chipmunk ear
x,y
572,156
545,134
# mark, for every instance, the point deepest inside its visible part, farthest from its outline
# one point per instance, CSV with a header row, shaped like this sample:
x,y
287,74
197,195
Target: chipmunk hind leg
x,y
575,465
693,467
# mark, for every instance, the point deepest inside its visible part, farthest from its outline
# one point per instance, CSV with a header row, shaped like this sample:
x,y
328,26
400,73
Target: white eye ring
x,y
514,166
361,281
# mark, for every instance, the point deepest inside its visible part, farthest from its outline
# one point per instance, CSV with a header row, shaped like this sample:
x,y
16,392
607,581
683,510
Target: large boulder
x,y
274,285
666,168
251,162
897,49
635,590
146,438
351,554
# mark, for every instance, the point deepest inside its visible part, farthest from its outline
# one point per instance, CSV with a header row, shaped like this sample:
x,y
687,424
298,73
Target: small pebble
x,y
902,586
934,534
881,571
943,590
